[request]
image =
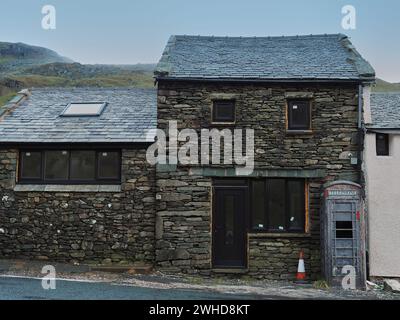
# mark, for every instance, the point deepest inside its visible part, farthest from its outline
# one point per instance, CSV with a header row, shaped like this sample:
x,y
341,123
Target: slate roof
x,y
313,57
128,116
385,111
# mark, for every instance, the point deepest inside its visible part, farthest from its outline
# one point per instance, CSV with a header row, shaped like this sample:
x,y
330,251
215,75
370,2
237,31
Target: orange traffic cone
x,y
301,272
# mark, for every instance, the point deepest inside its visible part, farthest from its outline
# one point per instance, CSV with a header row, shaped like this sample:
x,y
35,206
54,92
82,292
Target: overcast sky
x,y
136,31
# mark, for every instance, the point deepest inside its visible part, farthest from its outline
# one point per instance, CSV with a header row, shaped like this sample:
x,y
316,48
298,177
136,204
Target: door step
x,y
229,270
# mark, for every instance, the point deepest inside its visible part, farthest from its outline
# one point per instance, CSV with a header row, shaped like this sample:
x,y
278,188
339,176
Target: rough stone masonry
x,y
162,215
80,226
184,208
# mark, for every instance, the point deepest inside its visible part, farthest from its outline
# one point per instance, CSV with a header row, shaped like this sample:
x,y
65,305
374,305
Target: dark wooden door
x,y
229,227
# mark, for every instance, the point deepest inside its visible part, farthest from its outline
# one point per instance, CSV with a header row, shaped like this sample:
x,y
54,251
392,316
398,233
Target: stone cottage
x,y
74,181
302,96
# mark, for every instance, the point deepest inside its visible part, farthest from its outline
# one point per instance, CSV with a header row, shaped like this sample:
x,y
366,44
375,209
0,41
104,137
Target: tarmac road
x,y
20,288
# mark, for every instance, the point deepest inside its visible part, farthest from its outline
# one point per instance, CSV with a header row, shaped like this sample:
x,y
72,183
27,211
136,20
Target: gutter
x,y
261,80
77,145
378,130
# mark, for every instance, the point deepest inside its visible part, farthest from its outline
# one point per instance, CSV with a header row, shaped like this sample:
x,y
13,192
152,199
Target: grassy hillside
x,y
8,87
134,79
7,97
77,70
78,75
137,79
384,86
25,66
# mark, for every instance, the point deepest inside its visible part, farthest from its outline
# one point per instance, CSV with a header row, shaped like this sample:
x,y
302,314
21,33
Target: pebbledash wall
x,y
116,226
184,201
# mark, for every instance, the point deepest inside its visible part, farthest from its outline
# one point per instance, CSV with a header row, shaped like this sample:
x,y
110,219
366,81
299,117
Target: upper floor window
x,y
299,115
223,111
382,144
70,166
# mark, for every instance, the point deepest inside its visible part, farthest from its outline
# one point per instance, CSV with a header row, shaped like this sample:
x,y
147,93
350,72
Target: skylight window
x,y
76,109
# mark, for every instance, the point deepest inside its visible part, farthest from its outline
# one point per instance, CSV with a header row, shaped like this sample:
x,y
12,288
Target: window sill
x,y
221,123
66,188
279,235
298,132
230,270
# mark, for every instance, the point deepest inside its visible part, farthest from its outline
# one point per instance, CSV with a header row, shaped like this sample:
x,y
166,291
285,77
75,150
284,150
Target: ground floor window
x,y
272,204
70,166
278,205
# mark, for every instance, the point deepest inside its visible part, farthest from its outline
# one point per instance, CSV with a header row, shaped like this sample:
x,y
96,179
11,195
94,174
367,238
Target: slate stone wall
x,y
92,227
184,202
183,236
277,258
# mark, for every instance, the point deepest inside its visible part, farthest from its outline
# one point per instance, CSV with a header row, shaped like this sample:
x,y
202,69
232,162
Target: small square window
x,y
84,109
344,229
299,115
382,144
223,111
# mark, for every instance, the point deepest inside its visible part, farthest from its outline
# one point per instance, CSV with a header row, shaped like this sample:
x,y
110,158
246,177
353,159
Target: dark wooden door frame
x,y
228,187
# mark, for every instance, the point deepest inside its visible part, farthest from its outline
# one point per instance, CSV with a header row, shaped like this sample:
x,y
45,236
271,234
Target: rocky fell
x,y
15,57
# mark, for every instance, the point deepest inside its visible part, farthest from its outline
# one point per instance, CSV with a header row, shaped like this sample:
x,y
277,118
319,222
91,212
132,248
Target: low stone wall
x,y
274,257
92,227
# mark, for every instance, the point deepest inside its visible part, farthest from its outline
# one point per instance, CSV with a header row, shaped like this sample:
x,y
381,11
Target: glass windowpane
x,y
82,165
31,165
56,165
276,204
108,165
258,205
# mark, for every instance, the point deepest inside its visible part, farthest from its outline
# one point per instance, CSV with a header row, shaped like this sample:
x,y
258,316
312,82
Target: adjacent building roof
x,y
130,114
385,111
314,57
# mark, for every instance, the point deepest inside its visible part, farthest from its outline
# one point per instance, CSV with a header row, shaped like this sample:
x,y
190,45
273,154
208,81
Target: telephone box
x,y
343,234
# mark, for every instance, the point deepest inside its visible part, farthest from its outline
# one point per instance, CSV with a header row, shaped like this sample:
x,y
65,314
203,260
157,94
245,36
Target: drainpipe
x,y
360,136
361,133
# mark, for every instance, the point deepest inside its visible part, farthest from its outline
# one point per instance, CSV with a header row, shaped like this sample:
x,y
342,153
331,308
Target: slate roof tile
x,y
297,57
128,117
385,111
